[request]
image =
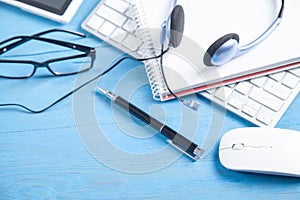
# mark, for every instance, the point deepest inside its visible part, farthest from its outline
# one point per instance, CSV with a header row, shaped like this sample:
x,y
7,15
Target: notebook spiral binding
x,y
147,49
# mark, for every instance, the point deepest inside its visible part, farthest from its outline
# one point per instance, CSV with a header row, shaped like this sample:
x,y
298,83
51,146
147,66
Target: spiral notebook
x,y
205,22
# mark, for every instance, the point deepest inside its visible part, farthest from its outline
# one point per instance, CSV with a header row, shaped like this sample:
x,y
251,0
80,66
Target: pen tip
x,y
101,90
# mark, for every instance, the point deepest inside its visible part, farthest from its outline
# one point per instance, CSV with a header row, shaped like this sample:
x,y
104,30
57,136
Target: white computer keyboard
x,y
261,100
111,21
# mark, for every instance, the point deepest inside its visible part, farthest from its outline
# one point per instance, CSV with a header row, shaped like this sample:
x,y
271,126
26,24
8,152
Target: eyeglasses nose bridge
x,y
42,65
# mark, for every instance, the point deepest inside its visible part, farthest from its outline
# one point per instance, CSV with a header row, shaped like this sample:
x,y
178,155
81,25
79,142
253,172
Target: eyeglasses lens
x,y
71,66
16,70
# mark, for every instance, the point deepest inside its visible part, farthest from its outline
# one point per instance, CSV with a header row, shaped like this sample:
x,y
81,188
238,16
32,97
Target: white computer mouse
x,y
261,150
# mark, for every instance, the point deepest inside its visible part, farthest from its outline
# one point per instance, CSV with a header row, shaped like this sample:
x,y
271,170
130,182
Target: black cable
x,y
83,85
191,104
164,78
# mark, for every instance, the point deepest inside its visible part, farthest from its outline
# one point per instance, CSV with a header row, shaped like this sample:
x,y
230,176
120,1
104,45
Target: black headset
x,y
222,50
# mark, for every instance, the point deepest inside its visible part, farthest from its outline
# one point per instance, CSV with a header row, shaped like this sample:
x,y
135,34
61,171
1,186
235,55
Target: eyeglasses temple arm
x,y
57,42
22,41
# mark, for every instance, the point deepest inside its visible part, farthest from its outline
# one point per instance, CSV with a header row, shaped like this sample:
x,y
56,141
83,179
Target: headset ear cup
x,y
176,26
216,45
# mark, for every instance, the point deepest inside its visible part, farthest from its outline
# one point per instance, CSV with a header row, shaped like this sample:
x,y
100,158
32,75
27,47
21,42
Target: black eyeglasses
x,y
63,66
82,85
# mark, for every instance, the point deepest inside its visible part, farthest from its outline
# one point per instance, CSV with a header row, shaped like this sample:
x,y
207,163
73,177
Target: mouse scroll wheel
x,y
238,146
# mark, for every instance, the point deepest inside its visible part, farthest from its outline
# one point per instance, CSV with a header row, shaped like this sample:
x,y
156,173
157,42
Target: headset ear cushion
x,y
176,26
216,45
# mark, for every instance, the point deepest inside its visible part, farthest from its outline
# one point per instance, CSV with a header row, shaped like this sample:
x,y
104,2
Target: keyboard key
x,y
290,80
254,105
244,87
277,76
95,22
249,111
129,13
129,26
223,93
251,108
277,89
119,35
111,15
264,119
119,5
259,82
235,103
231,85
131,42
210,91
266,99
107,28
295,71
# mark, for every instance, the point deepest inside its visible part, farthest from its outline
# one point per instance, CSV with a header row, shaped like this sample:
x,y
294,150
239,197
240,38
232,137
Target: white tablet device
x,y
58,10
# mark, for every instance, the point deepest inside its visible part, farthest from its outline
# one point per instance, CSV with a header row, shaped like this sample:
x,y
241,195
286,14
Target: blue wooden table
x,y
86,148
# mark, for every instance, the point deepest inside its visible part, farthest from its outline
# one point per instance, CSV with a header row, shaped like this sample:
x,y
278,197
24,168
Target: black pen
x,y
175,139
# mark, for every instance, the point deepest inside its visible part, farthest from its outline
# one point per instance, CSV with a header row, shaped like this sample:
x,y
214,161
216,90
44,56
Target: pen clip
x,y
194,157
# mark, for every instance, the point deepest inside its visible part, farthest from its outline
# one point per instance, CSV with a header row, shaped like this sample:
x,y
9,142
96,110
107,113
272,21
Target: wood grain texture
x,y
43,156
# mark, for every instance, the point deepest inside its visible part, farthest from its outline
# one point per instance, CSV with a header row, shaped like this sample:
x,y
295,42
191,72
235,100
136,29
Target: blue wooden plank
x,y
45,156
